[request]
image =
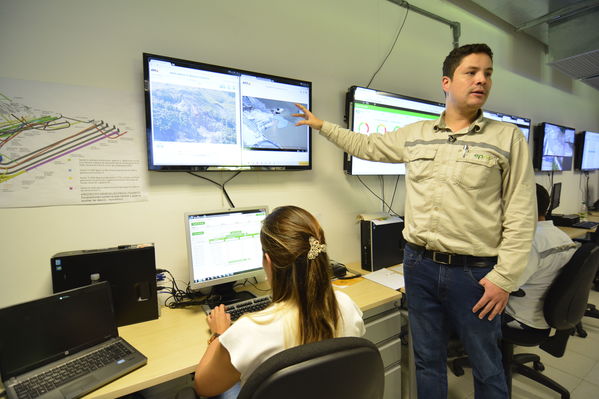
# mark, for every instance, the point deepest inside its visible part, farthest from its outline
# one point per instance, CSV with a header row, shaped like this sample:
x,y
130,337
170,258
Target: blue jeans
x,y
440,298
231,393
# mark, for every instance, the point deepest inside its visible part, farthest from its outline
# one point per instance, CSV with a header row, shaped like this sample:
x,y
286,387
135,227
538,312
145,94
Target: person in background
x,y
551,250
468,222
304,308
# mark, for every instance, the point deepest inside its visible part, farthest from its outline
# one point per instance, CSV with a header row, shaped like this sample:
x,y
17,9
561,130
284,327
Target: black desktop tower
x,y
382,244
129,269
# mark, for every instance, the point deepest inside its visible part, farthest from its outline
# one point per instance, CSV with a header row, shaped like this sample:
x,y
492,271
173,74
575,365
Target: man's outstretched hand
x,y
308,118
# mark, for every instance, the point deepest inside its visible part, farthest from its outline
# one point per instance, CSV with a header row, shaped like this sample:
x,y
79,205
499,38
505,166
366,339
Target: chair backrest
x,y
566,299
337,368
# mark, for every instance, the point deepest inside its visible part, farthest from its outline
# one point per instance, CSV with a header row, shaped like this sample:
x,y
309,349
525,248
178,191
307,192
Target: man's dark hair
x,y
456,55
542,200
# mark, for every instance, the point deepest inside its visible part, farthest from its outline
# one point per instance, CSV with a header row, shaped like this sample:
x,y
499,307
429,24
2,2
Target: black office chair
x,y
591,310
336,368
565,304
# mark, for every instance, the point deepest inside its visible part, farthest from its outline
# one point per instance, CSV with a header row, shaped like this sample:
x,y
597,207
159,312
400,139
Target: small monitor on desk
x,y
224,247
556,192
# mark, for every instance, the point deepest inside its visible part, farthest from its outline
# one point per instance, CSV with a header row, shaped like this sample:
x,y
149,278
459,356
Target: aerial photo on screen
x,y
268,124
558,145
194,115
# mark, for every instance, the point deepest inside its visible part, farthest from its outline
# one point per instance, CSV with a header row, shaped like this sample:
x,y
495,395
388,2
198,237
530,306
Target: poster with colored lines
x,y
67,145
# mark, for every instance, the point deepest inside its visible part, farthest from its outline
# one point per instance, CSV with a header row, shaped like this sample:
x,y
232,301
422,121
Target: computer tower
x,y
382,243
129,269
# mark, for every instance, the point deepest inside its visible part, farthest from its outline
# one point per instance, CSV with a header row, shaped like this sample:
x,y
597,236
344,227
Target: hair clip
x,y
315,248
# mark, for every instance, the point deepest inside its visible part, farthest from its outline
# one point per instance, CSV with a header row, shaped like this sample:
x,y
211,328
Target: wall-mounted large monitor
x,y
553,147
202,117
587,151
524,124
375,111
224,247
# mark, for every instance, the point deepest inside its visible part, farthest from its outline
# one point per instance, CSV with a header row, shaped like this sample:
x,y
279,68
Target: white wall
x,y
333,43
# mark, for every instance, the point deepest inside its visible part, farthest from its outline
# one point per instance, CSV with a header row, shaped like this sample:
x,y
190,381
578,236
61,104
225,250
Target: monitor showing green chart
x,y
374,111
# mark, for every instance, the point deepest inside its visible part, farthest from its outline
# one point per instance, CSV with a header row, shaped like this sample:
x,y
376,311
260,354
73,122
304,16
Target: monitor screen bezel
x,y
154,166
349,160
539,147
580,147
511,119
258,273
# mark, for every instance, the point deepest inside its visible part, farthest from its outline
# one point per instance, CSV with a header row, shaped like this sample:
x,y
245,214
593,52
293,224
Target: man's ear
x,y
445,82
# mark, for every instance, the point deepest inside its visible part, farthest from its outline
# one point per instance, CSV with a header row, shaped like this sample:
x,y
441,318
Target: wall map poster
x,y
67,145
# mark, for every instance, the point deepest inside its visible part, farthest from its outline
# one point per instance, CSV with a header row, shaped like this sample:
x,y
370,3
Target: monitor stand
x,y
225,294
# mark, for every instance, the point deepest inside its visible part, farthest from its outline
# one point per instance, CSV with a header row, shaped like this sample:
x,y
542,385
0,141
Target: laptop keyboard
x,y
63,374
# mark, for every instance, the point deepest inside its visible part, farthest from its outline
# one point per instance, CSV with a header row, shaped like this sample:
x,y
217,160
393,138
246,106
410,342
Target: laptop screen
x,y
44,330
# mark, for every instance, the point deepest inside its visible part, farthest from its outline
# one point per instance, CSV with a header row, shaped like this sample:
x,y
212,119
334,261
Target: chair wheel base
x,y
538,366
455,367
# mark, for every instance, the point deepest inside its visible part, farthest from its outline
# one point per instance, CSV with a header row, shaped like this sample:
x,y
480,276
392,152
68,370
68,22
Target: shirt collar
x,y
474,127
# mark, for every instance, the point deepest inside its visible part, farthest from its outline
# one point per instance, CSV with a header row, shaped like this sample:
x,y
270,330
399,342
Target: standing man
x,y
469,220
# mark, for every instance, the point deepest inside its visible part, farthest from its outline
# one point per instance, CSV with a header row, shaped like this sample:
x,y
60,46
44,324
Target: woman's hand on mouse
x,y
219,320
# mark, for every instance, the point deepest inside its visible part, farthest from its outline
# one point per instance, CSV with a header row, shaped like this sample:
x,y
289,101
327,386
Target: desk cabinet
x,y
383,327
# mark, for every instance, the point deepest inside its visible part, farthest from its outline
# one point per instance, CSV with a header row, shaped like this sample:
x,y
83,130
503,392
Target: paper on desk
x,y
397,268
387,277
380,219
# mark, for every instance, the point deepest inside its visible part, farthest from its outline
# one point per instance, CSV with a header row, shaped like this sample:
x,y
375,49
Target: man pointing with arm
x,y
469,220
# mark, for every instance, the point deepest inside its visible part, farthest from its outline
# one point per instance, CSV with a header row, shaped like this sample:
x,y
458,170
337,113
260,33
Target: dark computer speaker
x,y
129,269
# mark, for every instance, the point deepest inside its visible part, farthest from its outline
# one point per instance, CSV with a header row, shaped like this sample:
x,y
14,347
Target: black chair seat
x,y
524,338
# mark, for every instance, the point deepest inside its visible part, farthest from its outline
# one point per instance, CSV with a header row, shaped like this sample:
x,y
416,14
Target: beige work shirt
x,y
470,192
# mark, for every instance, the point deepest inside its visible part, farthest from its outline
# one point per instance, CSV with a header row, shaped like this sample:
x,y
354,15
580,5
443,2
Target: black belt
x,y
454,259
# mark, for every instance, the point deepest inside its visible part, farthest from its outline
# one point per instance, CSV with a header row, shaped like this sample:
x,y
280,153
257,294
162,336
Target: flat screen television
x,y
202,117
375,111
587,151
553,147
524,124
223,247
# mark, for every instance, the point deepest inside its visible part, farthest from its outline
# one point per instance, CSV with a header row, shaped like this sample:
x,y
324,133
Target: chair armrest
x,y
556,344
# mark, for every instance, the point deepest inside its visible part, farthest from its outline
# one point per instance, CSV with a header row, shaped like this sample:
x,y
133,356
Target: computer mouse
x,y
339,269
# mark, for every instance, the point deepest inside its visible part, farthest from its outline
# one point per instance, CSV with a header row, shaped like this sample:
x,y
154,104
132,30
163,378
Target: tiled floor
x,y
577,370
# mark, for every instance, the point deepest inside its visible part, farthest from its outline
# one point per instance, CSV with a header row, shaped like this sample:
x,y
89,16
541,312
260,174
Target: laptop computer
x,y
64,345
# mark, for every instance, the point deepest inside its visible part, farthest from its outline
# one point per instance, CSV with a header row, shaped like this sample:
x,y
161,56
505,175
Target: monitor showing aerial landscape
x,y
202,117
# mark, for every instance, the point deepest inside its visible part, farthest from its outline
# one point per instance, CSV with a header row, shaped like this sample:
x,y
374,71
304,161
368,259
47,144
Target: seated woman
x,y
304,306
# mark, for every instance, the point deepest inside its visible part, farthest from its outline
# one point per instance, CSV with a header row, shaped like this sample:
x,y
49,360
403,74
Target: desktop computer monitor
x,y
586,146
371,111
553,147
522,123
223,248
555,195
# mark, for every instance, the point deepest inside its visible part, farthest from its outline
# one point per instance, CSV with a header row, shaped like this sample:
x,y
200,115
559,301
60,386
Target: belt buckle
x,y
447,257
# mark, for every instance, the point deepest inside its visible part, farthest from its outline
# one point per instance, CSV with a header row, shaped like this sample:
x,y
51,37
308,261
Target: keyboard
x,y
585,225
238,309
63,374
